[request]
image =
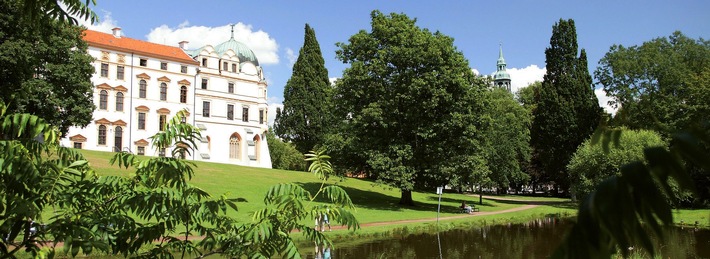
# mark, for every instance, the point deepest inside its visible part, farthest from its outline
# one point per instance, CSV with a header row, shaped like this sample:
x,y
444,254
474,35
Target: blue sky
x,y
274,29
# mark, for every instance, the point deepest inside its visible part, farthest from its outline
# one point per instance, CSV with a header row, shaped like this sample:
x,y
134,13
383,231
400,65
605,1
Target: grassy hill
x,y
374,202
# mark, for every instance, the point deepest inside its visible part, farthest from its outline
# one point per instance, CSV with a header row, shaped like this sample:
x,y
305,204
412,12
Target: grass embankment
x,y
375,203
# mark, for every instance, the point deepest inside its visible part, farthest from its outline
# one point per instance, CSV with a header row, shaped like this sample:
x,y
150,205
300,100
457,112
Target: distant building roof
x,y
109,41
243,52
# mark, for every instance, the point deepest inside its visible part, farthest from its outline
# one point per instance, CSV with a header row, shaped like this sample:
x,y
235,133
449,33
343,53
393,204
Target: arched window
x,y
163,91
142,88
118,138
257,147
119,101
102,135
103,100
183,94
234,146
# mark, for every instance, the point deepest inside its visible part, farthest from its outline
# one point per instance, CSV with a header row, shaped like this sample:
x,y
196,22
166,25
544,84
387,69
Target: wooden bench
x,y
473,208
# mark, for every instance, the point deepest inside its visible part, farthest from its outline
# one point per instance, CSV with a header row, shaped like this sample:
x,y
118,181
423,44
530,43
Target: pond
x,y
536,239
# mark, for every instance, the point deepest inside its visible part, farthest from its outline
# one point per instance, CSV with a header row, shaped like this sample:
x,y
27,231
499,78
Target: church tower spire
x,y
501,78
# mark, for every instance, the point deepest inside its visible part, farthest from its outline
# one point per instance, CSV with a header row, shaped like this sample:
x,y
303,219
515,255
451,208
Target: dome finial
x,y
231,24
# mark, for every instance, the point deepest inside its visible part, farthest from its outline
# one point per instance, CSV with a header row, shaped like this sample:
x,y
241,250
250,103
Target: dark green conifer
x,y
306,116
567,110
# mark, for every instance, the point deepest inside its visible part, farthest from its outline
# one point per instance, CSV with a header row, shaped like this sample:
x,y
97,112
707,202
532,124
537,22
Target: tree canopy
x,y
408,102
44,69
307,113
284,155
567,110
591,164
526,95
507,139
662,83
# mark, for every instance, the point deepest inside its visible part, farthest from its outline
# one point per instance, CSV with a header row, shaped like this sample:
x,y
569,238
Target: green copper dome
x,y
243,52
501,75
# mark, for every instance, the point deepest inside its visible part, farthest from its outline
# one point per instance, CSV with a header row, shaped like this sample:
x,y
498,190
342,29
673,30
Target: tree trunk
x,y
406,198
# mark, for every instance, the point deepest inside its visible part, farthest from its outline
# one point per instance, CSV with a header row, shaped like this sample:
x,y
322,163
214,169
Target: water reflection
x,y
322,252
535,239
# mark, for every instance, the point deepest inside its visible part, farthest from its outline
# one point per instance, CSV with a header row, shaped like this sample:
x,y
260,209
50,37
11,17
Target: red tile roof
x,y
144,48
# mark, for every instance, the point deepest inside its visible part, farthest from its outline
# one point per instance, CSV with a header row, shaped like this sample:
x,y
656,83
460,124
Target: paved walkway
x,y
527,204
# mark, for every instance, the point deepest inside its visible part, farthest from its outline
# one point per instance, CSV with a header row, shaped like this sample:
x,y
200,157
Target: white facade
x,y
231,108
156,82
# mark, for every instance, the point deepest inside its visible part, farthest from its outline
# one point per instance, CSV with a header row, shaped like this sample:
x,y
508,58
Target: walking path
x,y
527,205
475,214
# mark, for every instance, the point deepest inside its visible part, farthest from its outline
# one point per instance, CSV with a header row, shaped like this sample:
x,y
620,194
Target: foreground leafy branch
x,y
154,213
626,210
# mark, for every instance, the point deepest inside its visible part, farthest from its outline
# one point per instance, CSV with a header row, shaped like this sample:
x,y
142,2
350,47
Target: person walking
x,y
325,221
319,223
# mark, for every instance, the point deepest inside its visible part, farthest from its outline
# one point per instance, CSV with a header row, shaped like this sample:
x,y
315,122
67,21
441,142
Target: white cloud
x,y
105,23
333,79
291,57
604,100
184,24
265,47
522,77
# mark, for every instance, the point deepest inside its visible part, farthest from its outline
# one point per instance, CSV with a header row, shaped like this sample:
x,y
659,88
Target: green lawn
x,y
374,203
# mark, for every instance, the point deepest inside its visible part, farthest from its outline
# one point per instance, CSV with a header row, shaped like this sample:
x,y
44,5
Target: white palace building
x,y
139,85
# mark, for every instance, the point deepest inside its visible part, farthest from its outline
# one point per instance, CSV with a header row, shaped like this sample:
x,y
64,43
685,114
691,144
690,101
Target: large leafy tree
x,y
664,79
507,139
307,114
567,110
662,84
408,103
44,68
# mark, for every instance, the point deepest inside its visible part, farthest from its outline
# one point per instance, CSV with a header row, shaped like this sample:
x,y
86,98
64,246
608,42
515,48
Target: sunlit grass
x,y
374,203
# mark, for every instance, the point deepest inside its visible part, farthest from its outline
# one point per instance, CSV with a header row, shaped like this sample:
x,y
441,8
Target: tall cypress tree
x,y
306,116
567,109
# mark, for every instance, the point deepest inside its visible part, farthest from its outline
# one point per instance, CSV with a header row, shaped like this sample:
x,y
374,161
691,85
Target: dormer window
x,y
225,66
234,68
204,62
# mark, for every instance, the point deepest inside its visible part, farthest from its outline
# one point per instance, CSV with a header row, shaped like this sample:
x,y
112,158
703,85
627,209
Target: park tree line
x,y
409,113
